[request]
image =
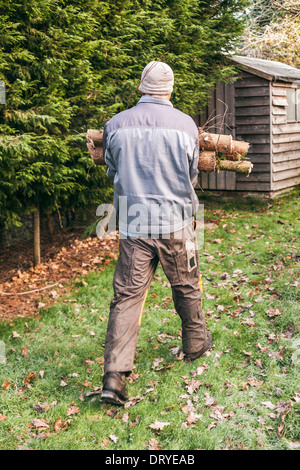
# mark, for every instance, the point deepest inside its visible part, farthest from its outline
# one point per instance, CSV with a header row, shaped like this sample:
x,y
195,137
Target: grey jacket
x,y
152,153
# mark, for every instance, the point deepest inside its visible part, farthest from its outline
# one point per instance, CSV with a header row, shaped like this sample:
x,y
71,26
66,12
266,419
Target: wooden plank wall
x,y
285,142
252,120
211,117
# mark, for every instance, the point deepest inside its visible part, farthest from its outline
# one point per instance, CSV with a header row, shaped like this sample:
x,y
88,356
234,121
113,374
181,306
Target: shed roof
x,y
268,69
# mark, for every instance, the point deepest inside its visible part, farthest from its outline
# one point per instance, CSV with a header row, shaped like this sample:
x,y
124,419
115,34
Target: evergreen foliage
x,y
71,65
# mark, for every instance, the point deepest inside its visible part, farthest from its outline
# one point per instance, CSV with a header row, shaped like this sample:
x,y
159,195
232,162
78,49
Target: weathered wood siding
x,y
211,117
285,145
252,124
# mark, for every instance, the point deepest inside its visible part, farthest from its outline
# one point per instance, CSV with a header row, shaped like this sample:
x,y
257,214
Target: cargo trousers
x,y
135,268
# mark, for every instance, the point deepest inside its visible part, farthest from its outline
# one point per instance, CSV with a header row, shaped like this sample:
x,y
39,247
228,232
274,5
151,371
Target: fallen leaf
x,y
86,383
159,425
217,413
153,445
42,407
114,438
188,407
281,427
156,362
105,443
200,370
247,353
208,296
6,384
268,404
192,418
192,386
61,425
73,410
276,355
133,377
273,312
24,352
210,401
212,425
132,424
2,418
15,335
32,376
38,424
133,401
175,350
258,363
255,383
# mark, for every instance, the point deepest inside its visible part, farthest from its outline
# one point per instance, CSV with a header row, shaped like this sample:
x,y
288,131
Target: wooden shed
x,y
262,107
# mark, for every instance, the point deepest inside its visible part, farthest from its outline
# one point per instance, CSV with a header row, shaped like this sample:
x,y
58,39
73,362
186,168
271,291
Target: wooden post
x,y
36,238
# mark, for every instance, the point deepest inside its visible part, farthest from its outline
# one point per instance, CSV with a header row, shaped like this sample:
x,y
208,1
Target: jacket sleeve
x,y
108,157
194,160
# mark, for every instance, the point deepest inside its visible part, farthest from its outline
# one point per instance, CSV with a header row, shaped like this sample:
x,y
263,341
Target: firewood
x,y
240,147
237,167
207,161
234,157
95,152
213,148
220,143
96,136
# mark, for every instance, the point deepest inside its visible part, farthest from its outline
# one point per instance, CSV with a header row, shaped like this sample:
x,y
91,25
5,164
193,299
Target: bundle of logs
x,y
217,152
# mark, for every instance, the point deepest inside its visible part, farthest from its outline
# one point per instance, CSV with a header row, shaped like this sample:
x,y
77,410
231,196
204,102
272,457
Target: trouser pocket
x,y
191,259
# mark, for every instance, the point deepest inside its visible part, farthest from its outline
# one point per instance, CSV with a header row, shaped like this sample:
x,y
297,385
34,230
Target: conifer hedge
x,y
71,65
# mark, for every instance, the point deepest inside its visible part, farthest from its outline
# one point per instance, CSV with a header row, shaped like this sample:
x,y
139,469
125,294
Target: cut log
x,y
207,161
95,152
96,136
240,147
237,167
219,142
234,157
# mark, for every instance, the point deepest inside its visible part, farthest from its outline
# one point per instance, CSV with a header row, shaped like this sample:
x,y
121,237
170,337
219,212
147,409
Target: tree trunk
x,y
51,225
36,238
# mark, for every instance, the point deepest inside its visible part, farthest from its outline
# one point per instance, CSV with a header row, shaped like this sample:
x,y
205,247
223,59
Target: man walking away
x,y
152,152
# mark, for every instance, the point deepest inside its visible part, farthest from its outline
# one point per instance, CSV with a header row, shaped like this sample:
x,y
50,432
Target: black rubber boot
x,y
114,388
207,345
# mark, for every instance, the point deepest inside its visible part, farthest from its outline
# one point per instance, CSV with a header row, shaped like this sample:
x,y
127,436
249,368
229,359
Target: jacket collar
x,y
153,99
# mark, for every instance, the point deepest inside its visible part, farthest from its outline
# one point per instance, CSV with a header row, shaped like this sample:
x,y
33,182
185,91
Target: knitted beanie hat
x,y
157,79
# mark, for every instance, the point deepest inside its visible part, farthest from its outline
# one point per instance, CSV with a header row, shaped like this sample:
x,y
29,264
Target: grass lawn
x,y
244,394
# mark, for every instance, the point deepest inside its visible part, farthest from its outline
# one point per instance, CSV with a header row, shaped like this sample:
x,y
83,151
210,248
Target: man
x,y
152,152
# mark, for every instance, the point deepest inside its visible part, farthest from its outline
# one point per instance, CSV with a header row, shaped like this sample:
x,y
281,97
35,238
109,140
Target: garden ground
x,y
243,394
